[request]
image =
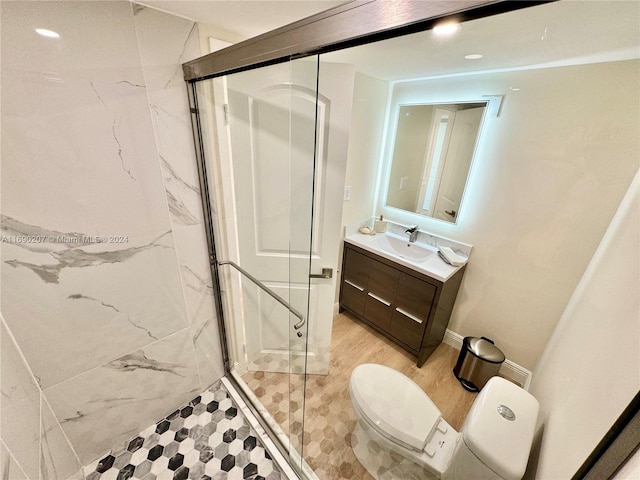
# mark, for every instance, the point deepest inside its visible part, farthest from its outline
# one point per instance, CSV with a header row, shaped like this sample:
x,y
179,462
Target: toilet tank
x,y
497,434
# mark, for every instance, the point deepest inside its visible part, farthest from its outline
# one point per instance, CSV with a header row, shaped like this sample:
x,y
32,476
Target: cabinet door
x,y
355,278
382,286
411,310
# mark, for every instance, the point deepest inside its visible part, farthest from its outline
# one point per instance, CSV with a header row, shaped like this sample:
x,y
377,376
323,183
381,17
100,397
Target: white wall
x,y
548,176
590,370
368,115
208,31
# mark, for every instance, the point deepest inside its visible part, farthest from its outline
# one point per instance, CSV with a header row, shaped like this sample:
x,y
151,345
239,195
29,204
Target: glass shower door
x,y
258,138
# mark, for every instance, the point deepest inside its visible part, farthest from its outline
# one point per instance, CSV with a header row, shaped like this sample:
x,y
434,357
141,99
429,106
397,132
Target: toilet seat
x,y
393,405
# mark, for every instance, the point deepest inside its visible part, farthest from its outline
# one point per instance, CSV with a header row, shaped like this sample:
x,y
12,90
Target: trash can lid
x,y
485,349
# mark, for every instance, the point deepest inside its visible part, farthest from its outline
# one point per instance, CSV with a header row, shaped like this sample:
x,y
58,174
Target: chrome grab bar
x,y
270,292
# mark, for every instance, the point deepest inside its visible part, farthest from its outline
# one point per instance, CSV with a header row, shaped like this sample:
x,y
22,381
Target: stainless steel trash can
x,y
479,360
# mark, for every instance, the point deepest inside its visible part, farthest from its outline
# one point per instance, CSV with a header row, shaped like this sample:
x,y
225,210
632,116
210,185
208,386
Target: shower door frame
x,y
354,23
292,452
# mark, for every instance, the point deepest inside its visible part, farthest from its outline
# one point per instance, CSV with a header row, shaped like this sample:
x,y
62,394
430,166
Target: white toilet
x,y
401,434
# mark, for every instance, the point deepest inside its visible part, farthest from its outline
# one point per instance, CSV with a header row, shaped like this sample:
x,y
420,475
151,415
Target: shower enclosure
x,y
256,132
272,249
271,121
270,126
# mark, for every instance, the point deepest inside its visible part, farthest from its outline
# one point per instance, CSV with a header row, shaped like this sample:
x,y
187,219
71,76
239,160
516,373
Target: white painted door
x,y
436,152
462,145
287,156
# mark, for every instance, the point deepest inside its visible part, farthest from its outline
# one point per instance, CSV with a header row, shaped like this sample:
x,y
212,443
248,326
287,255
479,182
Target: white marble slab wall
x,y
105,282
32,443
166,42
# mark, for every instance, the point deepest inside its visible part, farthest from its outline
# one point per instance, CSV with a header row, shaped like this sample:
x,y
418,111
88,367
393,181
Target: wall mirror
x,y
433,149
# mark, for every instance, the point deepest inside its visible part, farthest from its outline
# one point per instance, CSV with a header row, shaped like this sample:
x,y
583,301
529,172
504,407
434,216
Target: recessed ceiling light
x,y
473,56
445,29
47,33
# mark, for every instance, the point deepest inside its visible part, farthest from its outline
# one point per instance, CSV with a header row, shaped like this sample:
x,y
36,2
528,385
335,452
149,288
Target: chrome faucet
x,y
413,233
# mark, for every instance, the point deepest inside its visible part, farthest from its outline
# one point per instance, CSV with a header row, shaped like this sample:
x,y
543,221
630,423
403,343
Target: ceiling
x,y
241,19
559,33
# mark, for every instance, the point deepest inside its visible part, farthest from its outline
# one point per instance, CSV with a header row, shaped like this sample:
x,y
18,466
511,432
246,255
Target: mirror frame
x,y
355,23
492,106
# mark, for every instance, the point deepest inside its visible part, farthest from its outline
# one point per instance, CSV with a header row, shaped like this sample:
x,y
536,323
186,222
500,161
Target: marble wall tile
x,y
9,468
98,146
109,404
78,151
73,309
206,339
195,271
80,161
166,42
20,408
33,445
57,458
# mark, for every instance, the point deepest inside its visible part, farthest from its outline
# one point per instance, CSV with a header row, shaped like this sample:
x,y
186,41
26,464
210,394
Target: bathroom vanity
x,y
396,296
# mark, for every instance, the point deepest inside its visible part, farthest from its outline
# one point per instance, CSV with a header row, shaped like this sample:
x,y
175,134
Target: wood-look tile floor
x,y
329,417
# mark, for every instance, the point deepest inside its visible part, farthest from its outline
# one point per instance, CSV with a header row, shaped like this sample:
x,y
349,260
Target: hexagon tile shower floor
x,y
208,439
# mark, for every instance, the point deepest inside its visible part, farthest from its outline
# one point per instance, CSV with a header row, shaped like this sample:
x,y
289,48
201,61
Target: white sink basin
x,y
417,256
401,247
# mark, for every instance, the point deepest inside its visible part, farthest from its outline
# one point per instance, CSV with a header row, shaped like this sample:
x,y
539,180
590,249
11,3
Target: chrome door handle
x,y
326,273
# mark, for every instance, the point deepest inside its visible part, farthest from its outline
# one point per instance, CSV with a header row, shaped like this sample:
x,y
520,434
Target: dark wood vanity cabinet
x,y
408,307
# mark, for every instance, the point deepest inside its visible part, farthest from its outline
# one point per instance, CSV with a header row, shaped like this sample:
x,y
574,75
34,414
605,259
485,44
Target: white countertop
x,y
433,265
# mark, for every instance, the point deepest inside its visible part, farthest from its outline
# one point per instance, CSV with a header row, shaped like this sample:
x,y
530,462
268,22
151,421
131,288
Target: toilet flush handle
x,y
506,413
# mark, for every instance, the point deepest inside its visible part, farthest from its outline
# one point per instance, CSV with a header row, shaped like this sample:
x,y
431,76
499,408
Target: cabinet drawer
x,y
415,296
382,286
383,281
407,328
378,311
356,268
353,296
412,308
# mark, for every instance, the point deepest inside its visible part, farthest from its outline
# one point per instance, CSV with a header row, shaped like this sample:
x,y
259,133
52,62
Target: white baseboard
x,y
508,369
336,309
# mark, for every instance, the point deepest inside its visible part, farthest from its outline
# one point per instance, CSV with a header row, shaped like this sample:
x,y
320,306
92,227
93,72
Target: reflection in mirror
x,y
432,153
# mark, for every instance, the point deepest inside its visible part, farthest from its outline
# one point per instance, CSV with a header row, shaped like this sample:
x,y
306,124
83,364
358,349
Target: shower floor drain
x,y
208,439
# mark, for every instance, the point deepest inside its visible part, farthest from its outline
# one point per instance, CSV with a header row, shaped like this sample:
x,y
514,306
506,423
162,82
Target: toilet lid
x,y
394,404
